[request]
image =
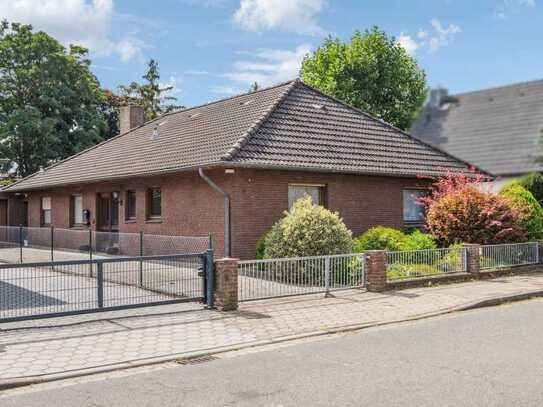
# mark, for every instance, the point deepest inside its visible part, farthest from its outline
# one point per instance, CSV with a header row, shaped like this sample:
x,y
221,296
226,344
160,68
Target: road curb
x,y
32,380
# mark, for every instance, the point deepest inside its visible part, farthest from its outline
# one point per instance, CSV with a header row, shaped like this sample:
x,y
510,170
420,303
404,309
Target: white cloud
x,y
408,43
439,37
444,34
298,16
507,7
269,66
81,22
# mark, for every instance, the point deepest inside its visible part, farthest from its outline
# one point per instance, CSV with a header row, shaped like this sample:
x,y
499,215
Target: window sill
x,y
79,227
154,220
130,221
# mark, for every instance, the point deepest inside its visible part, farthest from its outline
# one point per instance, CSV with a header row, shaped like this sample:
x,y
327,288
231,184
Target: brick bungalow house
x,y
231,167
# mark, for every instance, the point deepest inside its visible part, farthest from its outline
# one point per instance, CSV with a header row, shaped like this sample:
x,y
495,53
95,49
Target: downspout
x,y
226,210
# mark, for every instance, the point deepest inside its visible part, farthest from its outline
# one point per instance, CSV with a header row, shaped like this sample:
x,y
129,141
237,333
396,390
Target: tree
x,y
49,99
151,95
372,72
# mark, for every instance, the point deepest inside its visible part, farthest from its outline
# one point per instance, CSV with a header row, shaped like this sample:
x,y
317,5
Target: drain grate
x,y
196,360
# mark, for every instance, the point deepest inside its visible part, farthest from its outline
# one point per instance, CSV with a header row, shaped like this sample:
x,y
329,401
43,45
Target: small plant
x,y
308,230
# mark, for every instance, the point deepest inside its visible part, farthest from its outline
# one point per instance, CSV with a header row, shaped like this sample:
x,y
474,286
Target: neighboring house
x,y
497,129
263,149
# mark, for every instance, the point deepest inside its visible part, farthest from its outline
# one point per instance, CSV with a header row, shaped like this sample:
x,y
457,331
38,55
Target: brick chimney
x,y
131,116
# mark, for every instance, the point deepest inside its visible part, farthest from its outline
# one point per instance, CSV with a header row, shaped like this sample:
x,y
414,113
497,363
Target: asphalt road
x,y
486,357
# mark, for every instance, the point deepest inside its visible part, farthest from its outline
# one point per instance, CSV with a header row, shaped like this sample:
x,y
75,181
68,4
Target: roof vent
x,y
522,94
156,133
491,99
247,102
318,107
195,115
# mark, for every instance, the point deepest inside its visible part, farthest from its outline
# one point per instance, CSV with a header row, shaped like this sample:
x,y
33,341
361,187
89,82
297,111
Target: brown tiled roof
x,y
290,126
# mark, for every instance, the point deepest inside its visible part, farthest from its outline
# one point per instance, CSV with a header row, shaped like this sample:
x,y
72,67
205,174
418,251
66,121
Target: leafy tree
x,y
110,109
49,99
371,72
151,95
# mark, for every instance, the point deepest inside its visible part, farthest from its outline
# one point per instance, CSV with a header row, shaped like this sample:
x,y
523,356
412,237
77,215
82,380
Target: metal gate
x,y
47,289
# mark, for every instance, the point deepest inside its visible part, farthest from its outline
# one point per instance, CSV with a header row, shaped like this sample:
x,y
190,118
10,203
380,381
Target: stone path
x,y
72,345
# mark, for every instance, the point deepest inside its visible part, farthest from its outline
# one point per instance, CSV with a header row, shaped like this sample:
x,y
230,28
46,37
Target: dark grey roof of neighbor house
x,y
496,129
289,126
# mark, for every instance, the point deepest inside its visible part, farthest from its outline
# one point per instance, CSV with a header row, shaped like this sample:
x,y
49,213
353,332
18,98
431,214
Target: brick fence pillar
x,y
473,257
226,284
376,270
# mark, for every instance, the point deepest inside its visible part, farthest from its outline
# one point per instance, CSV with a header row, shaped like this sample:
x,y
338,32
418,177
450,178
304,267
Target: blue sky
x,y
210,49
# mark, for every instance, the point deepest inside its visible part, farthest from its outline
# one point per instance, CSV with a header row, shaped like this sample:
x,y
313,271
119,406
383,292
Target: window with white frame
x,y
46,211
315,192
77,210
413,211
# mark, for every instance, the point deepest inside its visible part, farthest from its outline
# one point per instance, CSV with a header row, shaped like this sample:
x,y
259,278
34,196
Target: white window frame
x,y
420,216
46,210
74,214
321,189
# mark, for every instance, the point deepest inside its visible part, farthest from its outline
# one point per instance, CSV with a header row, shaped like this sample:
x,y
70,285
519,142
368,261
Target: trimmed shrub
x,y
379,238
472,216
417,240
308,230
531,212
533,182
383,238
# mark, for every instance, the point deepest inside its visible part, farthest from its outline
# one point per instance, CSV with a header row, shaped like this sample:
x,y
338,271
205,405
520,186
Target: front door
x,y
108,212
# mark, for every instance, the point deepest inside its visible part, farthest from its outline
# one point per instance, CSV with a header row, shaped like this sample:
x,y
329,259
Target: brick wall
x,y
258,199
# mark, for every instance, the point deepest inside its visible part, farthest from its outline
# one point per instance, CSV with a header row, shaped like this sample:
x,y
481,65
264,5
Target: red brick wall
x,y
258,199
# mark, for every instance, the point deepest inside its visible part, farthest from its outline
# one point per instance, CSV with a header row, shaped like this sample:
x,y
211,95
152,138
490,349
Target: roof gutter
x,y
226,210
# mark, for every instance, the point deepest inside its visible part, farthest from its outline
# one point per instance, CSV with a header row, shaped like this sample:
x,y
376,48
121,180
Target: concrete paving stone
x,y
71,343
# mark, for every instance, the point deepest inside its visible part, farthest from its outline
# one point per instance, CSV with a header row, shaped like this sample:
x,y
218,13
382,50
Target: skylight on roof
x,y
247,102
195,115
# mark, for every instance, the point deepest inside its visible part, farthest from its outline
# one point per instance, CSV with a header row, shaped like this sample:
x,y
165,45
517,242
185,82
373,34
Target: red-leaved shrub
x,y
466,214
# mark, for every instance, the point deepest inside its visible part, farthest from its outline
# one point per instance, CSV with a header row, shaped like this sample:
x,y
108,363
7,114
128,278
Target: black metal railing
x,y
43,289
20,244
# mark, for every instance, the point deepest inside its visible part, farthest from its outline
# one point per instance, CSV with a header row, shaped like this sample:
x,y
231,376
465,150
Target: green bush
x,y
261,246
383,238
417,240
531,212
308,230
533,182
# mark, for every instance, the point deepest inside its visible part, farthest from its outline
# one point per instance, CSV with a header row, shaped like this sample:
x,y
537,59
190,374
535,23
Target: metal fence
x,y
423,263
509,255
34,244
260,279
41,289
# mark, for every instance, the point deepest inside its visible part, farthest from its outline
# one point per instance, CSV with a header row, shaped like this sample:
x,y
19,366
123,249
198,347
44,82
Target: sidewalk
x,y
34,351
